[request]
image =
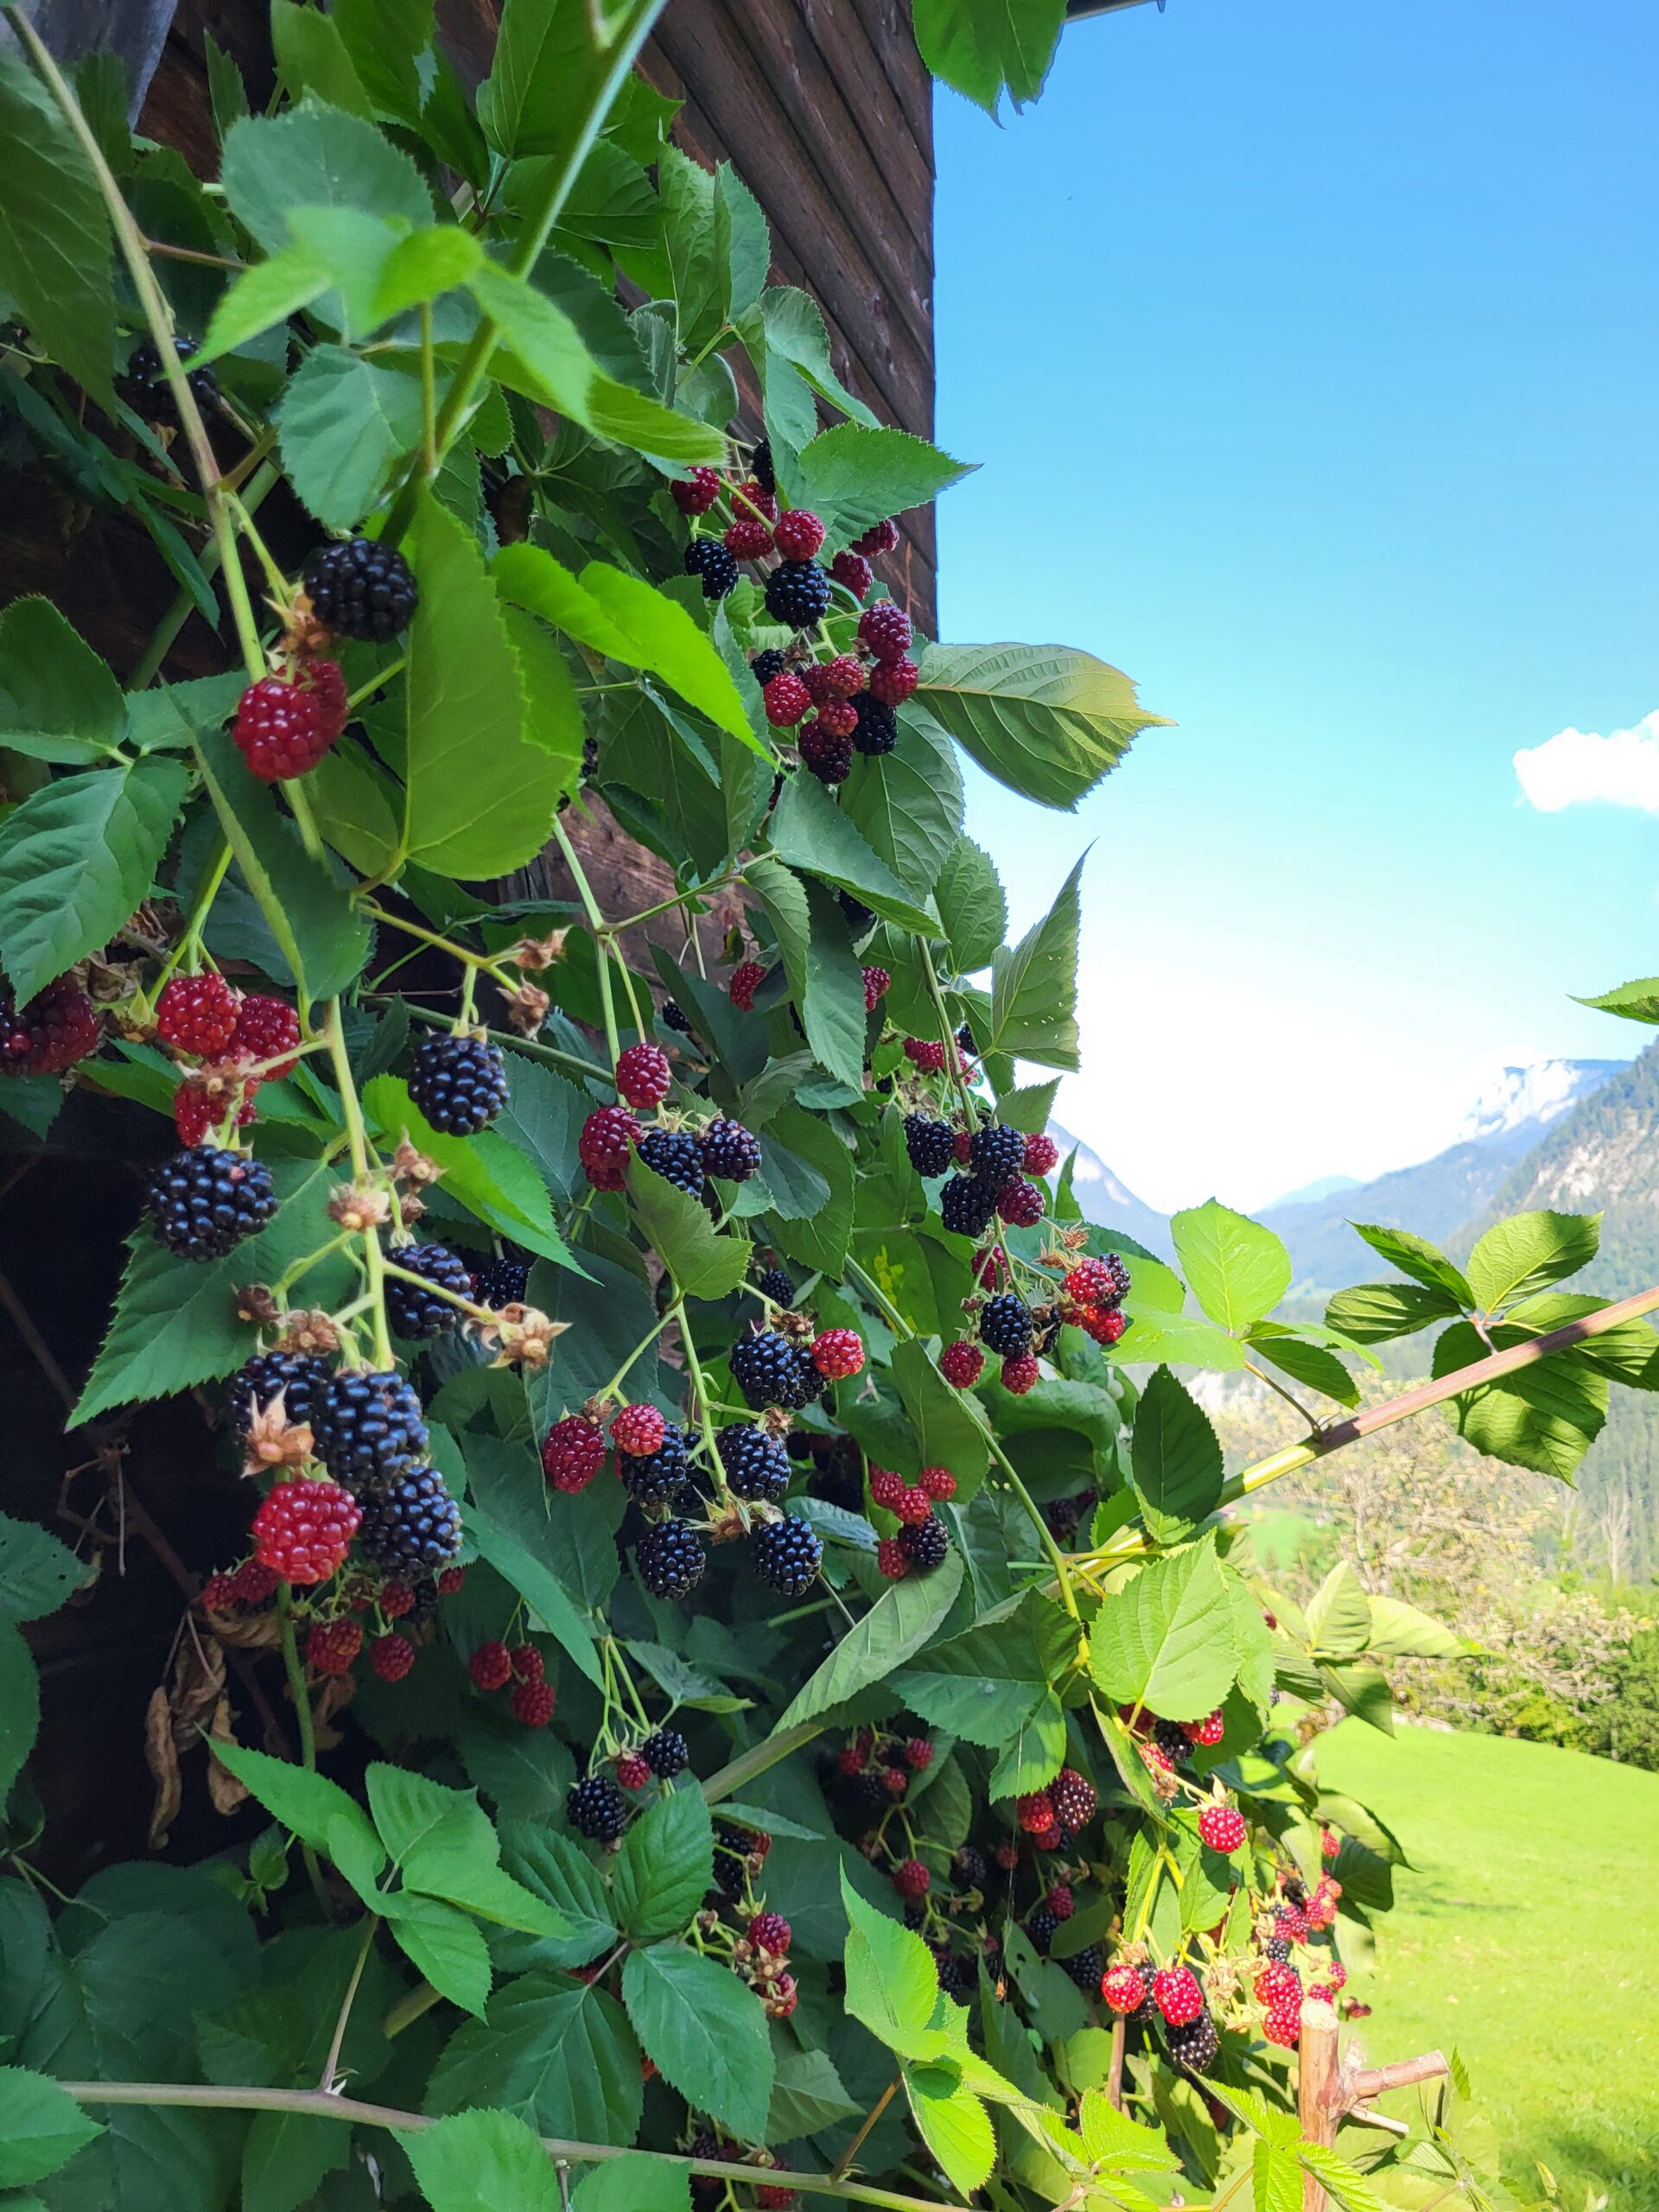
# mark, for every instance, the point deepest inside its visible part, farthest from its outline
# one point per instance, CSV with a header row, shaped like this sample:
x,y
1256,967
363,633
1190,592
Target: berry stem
x,y
596,922
608,943
330,2065
844,2164
947,1035
705,1416
357,1137
667,906
207,891
301,1697
613,1387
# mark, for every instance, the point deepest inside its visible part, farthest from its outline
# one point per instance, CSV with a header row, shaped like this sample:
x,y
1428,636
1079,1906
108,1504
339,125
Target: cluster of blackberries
x,y
460,1082
1001,1163
664,1754
50,1032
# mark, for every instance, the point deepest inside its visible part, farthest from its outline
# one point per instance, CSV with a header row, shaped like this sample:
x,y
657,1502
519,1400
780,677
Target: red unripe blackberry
x,y
451,1580
823,754
1048,1839
893,1559
643,1075
769,1931
746,538
844,677
1073,1798
837,718
303,1530
1330,1843
892,681
218,1593
912,1505
1283,2026
919,1752
746,979
799,534
926,1053
786,699
911,1879
814,674
1291,1921
838,1353
879,537
631,1771
1020,1374
282,729
887,1488
1105,1325
639,1430
1336,1973
491,1666
253,1582
772,2197
1021,1205
395,1599
939,1484
988,1266
695,493
1222,1828
1175,1994
886,630
854,571
1124,1988
877,983
1097,1282
1042,1153
1034,1812
331,1646
532,1703
194,1113
197,1015
1060,1901
391,1657
527,1663
851,1757
1278,1983
48,1033
751,496
962,1151
267,1029
573,1452
961,1364
1209,1731
609,1135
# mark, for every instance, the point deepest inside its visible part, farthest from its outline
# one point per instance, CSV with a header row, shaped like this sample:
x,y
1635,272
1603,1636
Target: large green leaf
x,y
1034,986
979,46
343,422
37,1573
852,477
824,976
41,2128
544,80
1176,1457
908,804
704,1263
705,2032
812,833
76,859
495,1180
989,1684
54,232
313,156
894,1630
1237,1270
1636,1001
446,1846
665,1866
971,904
540,1588
662,637
1416,1256
1520,1256
1164,1643
58,701
1045,720
553,2050
19,1704
480,2161
819,1240
1373,1313
1544,1417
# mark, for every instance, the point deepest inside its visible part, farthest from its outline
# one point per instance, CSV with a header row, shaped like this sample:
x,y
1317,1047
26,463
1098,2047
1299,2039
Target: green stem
x,y
947,1035
596,923
609,943
705,1416
428,937
357,1137
393,668
758,1756
297,1690
178,615
644,1345
330,2065
300,805
429,395
205,895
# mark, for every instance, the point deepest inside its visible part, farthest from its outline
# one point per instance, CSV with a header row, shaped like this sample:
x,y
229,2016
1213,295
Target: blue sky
x,y
1310,353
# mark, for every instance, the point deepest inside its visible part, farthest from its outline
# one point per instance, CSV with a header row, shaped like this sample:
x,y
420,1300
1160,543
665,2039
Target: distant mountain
x,y
1326,1187
1110,1203
1439,1196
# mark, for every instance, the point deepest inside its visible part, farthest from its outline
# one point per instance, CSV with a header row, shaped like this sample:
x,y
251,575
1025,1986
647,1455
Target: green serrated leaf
x,y
1177,1459
58,701
1034,986
852,477
1165,1642
896,1627
704,1263
705,2032
665,1866
1237,1270
558,2054
1047,722
1522,1255
54,232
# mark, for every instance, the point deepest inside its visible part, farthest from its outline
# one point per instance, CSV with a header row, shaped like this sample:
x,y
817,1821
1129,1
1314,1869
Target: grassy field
x,y
1527,1935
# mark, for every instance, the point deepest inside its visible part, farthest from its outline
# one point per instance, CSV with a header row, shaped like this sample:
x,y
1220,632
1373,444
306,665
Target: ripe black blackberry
x,y
367,1427
777,1285
1193,2044
501,1282
771,1371
298,1375
413,1312
765,665
998,1154
656,1477
729,1150
867,1793
1045,1327
965,1038
1005,1326
460,1084
204,1201
1172,1740
144,386
670,1559
707,558
414,1524
966,1205
424,1591
676,1017
666,1753
968,1868
956,1975
797,593
932,1145
760,466
1085,1967
597,1810
860,917
786,1555
1042,1926
362,589
926,1544
878,726
1277,1947
915,1915
732,1848
757,1465
674,1155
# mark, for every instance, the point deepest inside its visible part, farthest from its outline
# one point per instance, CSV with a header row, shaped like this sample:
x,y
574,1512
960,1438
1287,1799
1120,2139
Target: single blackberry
x,y
674,1155
414,1524
734,1847
361,589
501,1283
932,1145
1277,1947
915,1916
460,1084
670,1559
666,1753
998,1154
777,1285
1193,2044
926,1544
867,1793
797,593
1005,1326
786,1555
1084,1968
413,1312
656,1477
729,1151
368,1428
298,1375
597,1810
969,1868
707,558
878,726
50,1032
205,1201
756,1463
675,1017
1042,1926
425,1592
1171,1740
144,386
966,1205
771,1371
765,665
827,757
760,467
956,1975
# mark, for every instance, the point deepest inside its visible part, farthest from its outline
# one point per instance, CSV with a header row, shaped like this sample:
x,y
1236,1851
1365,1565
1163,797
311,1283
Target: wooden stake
x,y
1318,2096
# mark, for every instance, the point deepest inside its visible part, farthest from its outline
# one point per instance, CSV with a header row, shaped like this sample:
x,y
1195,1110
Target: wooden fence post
x,y
1331,2086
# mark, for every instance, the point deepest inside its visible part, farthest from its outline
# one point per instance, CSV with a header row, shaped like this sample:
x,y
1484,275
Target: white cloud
x,y
1576,766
